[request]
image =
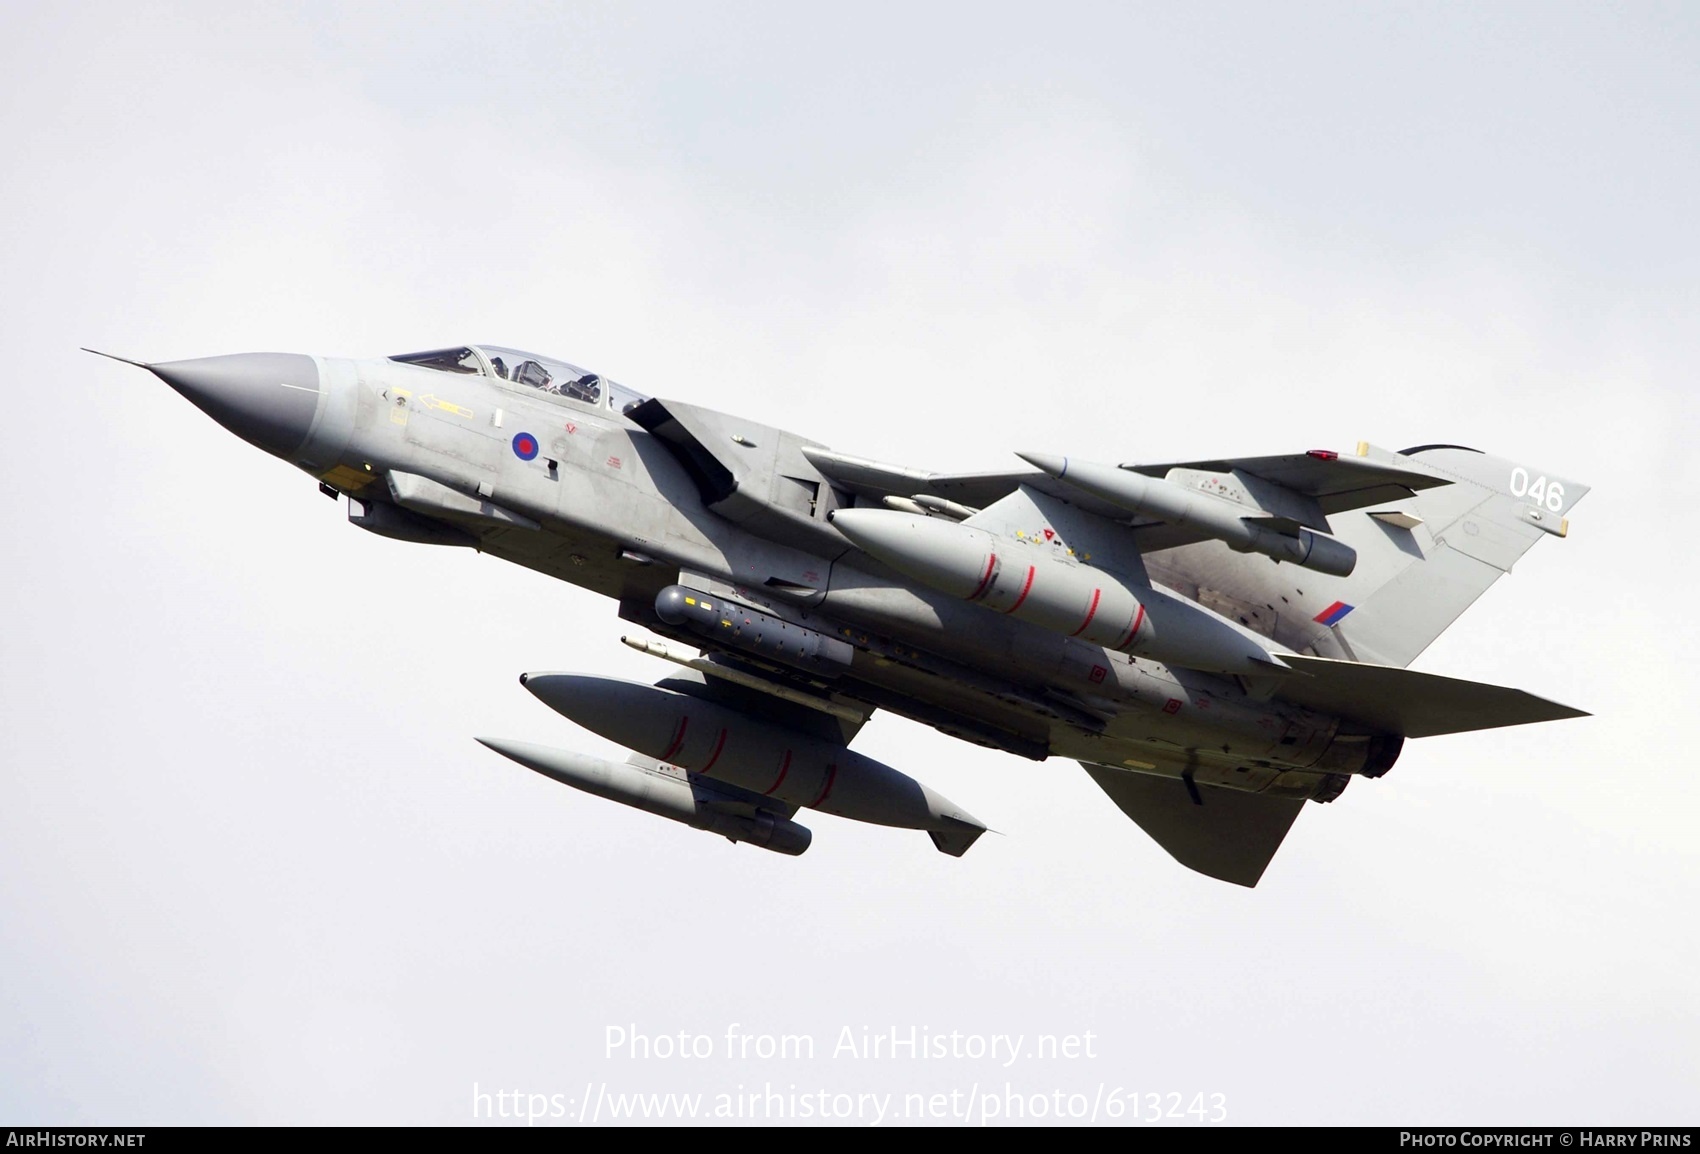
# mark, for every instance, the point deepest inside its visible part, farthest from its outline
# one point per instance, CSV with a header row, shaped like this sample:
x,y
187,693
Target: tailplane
x,y
1221,833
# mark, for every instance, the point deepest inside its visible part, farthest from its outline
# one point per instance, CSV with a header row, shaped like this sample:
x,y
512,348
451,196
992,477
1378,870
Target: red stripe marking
x,y
780,780
1138,620
831,776
986,578
678,738
1090,613
1025,590
718,746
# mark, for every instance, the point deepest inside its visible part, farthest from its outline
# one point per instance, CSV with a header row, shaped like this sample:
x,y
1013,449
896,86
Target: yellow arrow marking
x,y
432,401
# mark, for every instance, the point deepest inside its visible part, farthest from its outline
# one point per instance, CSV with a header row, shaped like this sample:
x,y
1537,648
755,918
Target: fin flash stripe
x,y
1333,614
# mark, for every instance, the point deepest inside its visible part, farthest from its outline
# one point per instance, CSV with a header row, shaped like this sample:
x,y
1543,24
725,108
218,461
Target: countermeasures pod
x,y
1239,527
1034,584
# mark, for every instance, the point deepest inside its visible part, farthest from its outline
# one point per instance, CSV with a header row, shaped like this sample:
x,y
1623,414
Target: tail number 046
x,y
1541,491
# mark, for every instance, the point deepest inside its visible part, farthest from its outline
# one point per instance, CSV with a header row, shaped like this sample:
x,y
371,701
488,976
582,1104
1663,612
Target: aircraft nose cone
x,y
267,399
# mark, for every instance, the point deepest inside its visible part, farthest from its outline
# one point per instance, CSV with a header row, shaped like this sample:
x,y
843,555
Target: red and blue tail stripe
x,y
1333,614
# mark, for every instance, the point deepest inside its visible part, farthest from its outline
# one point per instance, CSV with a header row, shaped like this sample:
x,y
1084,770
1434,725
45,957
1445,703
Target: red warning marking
x,y
1098,672
1091,612
613,462
1025,590
784,768
1049,534
985,578
831,776
718,746
678,738
571,428
1173,705
1133,630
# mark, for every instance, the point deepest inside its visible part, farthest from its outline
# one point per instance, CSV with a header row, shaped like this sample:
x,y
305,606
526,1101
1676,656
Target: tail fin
x,y
1424,560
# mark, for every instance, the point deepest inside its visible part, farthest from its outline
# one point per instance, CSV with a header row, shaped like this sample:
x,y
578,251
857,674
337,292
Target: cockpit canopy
x,y
532,370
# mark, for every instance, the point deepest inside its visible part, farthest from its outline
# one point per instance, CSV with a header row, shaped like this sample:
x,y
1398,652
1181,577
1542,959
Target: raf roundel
x,y
525,446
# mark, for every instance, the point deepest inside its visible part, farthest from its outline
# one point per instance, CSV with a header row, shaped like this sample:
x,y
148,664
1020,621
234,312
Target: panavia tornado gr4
x,y
1217,642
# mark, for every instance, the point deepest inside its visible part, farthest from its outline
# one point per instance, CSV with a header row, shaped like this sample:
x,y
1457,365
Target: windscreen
x,y
462,360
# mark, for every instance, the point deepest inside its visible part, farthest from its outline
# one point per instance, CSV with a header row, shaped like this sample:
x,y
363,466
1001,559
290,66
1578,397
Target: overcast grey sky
x,y
253,867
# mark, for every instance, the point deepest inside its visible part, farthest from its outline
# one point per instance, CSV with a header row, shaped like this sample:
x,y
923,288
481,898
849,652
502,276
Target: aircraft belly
x,y
1202,769
1270,740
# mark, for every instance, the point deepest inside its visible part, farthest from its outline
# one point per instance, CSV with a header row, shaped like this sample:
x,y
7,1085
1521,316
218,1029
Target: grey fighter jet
x,y
1217,642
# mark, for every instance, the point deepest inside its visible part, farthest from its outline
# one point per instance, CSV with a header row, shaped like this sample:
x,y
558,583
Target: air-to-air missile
x,y
666,791
766,760
1055,591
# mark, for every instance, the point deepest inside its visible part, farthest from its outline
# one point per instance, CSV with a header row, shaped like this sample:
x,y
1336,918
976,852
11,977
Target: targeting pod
x,y
760,634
